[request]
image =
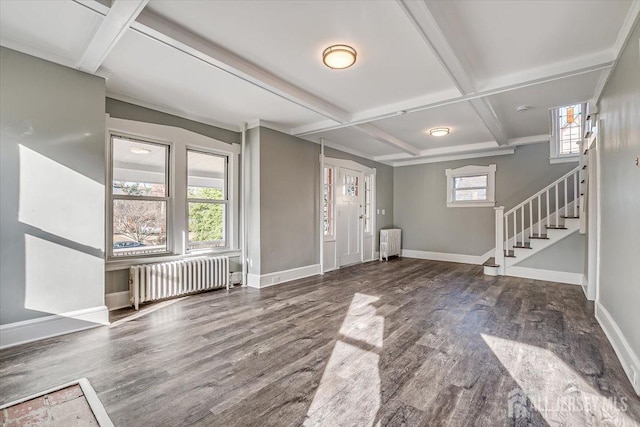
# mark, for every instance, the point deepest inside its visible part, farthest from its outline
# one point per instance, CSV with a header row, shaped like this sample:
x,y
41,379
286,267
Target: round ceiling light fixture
x,y
139,150
439,131
339,56
522,108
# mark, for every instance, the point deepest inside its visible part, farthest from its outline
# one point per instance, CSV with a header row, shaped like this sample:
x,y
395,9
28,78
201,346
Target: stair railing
x,y
536,212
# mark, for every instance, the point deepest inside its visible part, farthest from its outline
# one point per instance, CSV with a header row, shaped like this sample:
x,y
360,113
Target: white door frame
x,y
328,253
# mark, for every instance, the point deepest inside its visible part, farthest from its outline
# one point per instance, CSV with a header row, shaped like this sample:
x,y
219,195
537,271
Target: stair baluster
x,y
503,239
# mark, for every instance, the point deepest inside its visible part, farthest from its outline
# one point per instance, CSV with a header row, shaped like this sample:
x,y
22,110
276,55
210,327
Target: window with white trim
x,y
471,186
567,132
328,198
207,200
172,193
139,197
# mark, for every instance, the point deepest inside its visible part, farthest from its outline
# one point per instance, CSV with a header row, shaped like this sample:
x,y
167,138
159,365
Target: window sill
x,y
565,159
471,204
124,264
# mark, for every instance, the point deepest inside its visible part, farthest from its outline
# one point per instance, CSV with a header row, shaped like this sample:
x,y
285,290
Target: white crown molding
x,y
38,53
342,148
251,124
172,111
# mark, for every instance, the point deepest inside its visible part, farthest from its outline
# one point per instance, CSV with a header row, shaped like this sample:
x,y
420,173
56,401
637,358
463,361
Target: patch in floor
x,y
73,404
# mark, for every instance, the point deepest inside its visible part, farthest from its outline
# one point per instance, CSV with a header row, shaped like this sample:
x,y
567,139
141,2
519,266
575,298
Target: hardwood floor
x,y
404,342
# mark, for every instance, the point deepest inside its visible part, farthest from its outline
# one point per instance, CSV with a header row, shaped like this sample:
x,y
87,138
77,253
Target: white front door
x,y
349,216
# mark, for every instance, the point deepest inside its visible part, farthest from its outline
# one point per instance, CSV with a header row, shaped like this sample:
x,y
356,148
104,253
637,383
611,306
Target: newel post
x,y
499,255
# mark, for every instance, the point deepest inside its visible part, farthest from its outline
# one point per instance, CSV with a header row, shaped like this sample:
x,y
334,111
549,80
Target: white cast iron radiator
x,y
390,242
169,279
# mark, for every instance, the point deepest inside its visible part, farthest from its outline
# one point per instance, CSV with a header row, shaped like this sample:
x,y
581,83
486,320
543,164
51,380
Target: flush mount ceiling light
x,y
522,108
339,56
439,131
138,150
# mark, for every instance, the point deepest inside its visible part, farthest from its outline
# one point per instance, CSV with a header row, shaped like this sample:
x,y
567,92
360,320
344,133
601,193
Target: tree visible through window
x,y
139,197
207,199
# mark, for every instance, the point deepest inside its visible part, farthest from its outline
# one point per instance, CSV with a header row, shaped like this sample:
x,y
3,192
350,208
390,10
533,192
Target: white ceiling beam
x,y
360,118
502,151
441,151
526,140
439,39
599,61
384,137
120,16
164,31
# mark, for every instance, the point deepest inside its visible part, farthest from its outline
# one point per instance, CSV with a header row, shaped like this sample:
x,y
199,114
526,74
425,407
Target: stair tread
x,y
491,262
555,227
526,245
538,236
569,217
509,254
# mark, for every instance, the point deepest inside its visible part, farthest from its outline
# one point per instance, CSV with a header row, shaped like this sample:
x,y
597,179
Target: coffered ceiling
x,y
465,65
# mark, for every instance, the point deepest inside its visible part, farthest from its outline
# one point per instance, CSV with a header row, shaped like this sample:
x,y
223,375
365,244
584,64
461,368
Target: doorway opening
x,y
348,203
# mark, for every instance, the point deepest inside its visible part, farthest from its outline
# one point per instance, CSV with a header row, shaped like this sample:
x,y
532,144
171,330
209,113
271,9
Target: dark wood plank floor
x,y
404,342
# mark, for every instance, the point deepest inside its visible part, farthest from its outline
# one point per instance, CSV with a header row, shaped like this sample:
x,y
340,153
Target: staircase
x,y
540,221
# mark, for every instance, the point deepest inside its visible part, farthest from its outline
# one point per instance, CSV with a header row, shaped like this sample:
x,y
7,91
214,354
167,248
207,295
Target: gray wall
x,y
420,209
124,110
565,255
620,195
384,188
289,201
52,170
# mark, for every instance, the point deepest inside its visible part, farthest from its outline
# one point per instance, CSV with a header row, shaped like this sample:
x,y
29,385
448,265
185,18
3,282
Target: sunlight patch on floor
x,y
553,389
349,392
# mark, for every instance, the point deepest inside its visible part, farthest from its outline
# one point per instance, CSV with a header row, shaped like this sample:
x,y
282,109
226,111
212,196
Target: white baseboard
x,y
629,360
547,275
442,256
117,300
50,326
270,279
